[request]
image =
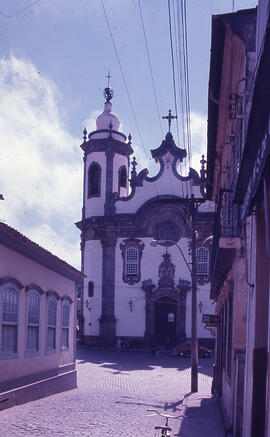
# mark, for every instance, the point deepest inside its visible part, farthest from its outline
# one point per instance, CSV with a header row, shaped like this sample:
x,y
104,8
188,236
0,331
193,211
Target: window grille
x,y
202,256
33,321
65,325
132,261
51,325
9,328
168,231
132,250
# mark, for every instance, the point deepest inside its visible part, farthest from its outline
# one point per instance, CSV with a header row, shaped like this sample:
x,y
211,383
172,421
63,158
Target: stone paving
x,y
115,389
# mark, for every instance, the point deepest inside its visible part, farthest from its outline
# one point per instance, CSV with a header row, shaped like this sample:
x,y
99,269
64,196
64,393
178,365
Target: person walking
x,y
118,344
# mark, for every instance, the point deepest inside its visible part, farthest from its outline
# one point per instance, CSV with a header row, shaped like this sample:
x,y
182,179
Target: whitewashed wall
x,y
167,183
93,272
128,323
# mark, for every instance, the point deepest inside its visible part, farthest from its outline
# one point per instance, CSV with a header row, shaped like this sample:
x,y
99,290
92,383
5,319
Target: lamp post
x,y
194,326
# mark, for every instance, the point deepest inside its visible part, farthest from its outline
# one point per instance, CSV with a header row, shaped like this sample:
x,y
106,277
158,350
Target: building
x,y
37,320
238,180
132,290
252,193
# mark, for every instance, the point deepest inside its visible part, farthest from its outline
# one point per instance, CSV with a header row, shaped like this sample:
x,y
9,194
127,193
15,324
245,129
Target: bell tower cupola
x,y
106,162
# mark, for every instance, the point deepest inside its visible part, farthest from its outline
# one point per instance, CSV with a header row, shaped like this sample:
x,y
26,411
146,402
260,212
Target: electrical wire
x,y
186,77
150,67
19,12
123,77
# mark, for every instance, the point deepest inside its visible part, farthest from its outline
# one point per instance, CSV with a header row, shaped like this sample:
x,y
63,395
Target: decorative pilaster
x,y
84,182
109,208
108,320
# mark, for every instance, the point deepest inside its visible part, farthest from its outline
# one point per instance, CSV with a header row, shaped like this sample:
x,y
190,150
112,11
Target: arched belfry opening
x,y
122,178
94,180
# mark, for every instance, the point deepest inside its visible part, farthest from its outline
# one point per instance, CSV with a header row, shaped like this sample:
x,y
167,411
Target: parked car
x,y
184,350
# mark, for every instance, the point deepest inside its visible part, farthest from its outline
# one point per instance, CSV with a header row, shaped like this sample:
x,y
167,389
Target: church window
x,y
33,322
132,261
9,305
94,180
122,177
202,256
131,253
51,324
168,231
65,325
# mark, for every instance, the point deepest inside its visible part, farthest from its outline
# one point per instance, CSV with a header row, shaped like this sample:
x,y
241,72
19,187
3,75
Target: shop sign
x,y
211,319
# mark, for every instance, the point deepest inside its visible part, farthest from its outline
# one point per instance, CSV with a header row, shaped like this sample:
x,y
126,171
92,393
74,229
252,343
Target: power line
x,y
173,69
123,77
186,74
19,12
150,67
174,85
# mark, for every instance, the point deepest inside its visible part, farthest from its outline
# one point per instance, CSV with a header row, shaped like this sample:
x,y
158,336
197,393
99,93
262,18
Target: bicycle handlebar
x,y
161,414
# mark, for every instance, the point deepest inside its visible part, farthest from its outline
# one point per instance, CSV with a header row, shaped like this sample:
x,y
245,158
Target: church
x,y
136,241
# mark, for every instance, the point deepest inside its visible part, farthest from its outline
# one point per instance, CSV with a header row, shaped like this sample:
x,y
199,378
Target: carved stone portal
x,y
155,295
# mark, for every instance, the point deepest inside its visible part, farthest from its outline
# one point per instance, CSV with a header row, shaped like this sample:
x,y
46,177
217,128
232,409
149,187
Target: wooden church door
x,y
165,321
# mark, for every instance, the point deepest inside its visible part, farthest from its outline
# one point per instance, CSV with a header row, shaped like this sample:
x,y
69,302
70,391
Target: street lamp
x,y
194,327
155,243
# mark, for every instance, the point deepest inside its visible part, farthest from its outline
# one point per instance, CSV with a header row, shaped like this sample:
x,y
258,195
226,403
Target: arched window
x,y
122,177
51,324
202,261
65,325
94,180
32,322
132,253
9,306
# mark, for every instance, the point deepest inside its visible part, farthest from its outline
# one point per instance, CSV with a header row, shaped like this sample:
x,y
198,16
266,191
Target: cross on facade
x,y
169,117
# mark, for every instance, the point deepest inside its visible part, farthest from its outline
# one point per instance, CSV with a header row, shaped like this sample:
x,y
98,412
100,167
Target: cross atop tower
x,y
108,77
169,117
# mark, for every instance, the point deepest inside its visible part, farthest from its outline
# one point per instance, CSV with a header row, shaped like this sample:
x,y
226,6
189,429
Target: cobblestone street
x,y
115,389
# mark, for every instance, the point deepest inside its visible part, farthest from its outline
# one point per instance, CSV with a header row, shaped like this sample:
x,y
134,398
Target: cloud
x,y
198,123
40,162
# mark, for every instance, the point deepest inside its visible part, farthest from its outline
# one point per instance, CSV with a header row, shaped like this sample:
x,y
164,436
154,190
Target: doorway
x,y
165,321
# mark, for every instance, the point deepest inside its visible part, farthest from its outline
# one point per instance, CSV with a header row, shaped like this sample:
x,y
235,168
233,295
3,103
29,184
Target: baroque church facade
x,y
135,288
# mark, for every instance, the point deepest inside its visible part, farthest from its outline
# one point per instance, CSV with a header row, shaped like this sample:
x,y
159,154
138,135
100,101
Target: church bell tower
x,y
106,162
106,169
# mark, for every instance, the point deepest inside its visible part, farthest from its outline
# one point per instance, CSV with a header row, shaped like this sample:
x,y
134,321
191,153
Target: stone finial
x,y
134,165
129,138
133,172
84,135
203,170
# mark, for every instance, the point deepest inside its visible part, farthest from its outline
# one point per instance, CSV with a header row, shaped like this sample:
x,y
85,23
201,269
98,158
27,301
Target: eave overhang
x,y
222,265
258,120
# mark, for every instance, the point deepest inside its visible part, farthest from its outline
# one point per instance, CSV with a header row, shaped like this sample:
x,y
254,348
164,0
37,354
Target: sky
x,y
54,59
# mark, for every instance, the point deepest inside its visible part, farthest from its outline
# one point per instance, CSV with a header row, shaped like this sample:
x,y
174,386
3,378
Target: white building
x,y
133,290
